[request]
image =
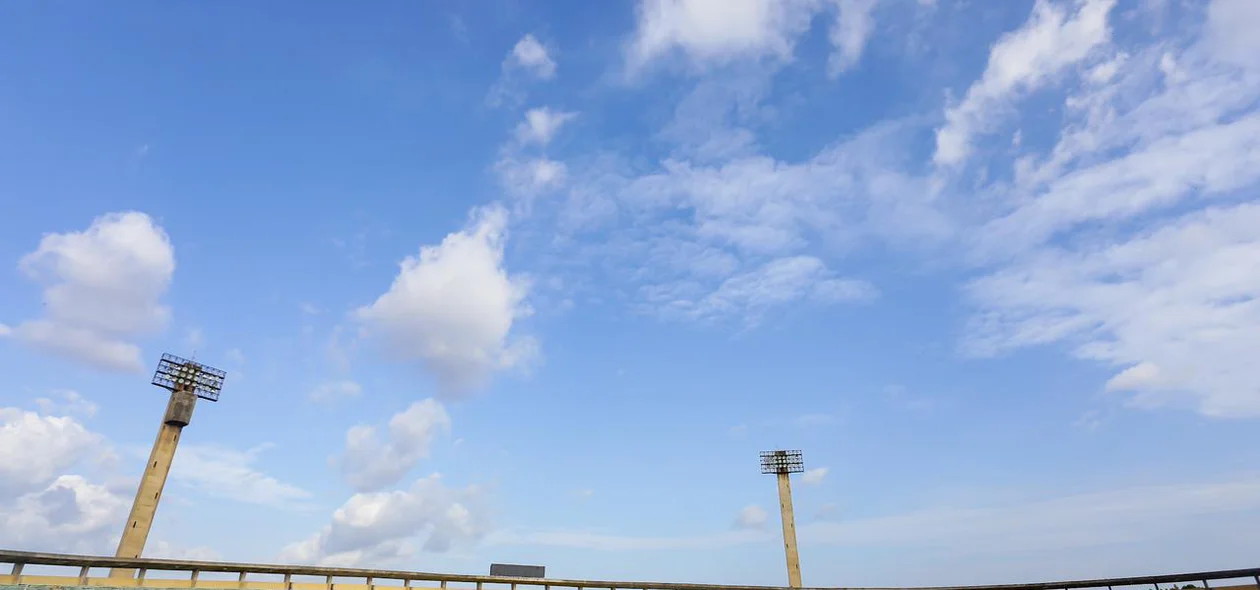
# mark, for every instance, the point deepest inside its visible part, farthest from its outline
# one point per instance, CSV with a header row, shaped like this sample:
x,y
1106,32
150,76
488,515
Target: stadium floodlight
x,y
176,374
187,381
783,464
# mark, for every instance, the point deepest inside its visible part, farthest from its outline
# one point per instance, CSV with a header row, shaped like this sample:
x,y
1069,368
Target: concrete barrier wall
x,y
72,583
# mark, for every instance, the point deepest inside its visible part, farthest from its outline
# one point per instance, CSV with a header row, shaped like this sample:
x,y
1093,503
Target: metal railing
x,y
408,579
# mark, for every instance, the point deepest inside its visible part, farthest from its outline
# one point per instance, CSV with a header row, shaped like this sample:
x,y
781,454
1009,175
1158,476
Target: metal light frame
x,y
782,462
175,373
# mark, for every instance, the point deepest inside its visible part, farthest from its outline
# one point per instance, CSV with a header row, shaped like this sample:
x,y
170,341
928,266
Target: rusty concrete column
x,y
789,531
136,530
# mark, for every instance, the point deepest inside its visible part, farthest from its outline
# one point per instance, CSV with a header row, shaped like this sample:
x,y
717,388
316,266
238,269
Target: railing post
x,y
140,574
443,585
288,581
240,580
370,585
83,575
192,582
328,582
16,572
478,585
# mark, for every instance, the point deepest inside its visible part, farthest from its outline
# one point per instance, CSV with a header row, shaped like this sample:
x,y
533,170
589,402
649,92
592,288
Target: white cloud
x,y
750,295
527,177
815,476
375,527
1097,519
371,464
5,330
335,390
1214,160
530,55
1176,308
66,402
541,124
849,34
70,515
35,449
1108,249
452,308
529,60
1092,519
1021,61
46,506
229,473
1232,34
695,241
102,288
713,32
751,517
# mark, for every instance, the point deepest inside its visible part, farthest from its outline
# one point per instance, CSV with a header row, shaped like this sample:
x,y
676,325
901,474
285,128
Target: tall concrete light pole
x,y
783,464
186,380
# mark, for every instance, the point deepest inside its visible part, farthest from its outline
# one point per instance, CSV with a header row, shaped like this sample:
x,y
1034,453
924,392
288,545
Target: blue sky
x,y
535,282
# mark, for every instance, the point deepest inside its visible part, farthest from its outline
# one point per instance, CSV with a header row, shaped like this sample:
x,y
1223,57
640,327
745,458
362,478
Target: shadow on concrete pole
x,y
783,464
187,381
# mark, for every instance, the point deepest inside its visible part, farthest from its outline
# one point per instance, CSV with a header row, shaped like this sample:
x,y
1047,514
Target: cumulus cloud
x,y
41,506
815,476
47,503
531,56
710,33
370,463
751,517
70,515
374,528
35,449
102,289
529,60
717,31
452,308
541,124
1020,62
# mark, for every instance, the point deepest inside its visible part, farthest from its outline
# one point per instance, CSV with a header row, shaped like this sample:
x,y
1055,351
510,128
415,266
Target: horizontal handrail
x,y
23,558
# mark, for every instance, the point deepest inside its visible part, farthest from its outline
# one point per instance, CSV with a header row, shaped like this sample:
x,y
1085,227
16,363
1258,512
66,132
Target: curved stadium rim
x,y
21,559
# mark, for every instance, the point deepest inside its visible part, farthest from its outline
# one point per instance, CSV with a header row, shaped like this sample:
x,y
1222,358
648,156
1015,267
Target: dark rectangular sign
x,y
517,571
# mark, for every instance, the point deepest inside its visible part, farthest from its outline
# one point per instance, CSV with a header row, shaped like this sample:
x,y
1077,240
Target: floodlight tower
x,y
186,380
783,464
